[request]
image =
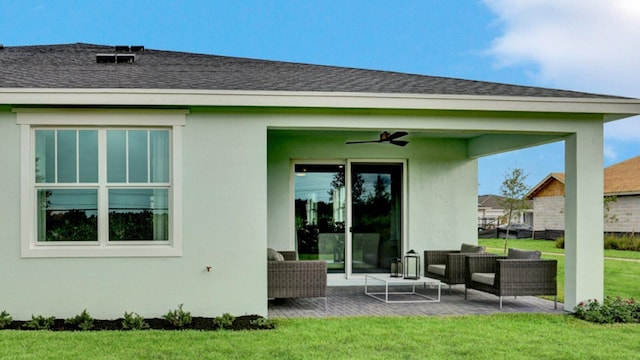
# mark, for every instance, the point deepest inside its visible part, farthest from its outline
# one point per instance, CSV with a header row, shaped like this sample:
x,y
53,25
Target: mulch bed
x,y
197,323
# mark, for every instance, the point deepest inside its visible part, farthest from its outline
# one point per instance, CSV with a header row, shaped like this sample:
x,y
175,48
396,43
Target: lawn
x,y
522,336
620,276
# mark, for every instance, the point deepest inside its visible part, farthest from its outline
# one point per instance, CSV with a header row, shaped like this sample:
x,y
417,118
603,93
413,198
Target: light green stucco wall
x,y
224,227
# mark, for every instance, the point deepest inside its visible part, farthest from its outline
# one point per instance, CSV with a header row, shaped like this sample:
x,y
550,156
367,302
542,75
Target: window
x,y
100,190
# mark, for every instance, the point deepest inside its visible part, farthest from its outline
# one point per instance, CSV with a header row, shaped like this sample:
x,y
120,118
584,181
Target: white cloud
x,y
587,45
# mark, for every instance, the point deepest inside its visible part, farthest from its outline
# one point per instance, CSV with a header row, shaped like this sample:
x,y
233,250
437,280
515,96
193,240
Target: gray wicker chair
x,y
501,276
448,265
297,279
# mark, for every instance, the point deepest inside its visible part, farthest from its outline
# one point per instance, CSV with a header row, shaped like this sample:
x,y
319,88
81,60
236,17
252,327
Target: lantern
x,y
396,267
412,265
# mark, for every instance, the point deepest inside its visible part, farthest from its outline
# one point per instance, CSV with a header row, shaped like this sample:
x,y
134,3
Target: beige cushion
x,y
471,249
523,254
483,278
273,255
437,269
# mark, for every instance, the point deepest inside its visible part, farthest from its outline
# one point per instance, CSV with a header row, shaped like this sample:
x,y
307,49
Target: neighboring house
x,y
621,186
491,213
138,179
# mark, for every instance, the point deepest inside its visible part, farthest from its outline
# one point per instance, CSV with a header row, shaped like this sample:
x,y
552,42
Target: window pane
x,y
116,156
67,214
159,155
138,214
45,156
88,156
67,156
138,156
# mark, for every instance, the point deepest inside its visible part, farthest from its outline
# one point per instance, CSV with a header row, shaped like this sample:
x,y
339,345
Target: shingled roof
x,y
622,178
74,66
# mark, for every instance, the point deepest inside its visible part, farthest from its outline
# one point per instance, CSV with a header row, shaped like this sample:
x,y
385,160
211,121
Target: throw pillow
x,y
523,254
471,249
273,255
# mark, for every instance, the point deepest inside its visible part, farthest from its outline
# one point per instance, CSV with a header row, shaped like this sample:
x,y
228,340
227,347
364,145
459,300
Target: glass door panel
x,y
376,233
320,205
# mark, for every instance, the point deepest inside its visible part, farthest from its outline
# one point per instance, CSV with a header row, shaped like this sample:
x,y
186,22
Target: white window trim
x,y
30,118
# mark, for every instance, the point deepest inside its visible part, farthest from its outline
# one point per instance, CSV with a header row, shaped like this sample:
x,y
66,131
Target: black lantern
x,y
412,265
396,267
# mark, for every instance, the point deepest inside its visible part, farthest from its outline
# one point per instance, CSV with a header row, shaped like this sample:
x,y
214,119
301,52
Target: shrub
x,y
83,321
133,321
39,323
5,319
263,323
560,242
178,318
225,321
611,310
622,242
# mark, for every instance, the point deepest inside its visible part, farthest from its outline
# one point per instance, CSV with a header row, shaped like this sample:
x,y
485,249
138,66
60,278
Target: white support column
x,y
584,253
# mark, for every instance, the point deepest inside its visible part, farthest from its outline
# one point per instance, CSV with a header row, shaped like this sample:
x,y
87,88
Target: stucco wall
x,y
224,227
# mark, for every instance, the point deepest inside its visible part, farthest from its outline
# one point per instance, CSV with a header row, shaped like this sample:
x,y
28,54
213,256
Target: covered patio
x,y
351,301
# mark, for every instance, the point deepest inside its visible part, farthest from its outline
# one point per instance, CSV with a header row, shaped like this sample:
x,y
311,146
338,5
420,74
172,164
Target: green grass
x,y
618,274
522,336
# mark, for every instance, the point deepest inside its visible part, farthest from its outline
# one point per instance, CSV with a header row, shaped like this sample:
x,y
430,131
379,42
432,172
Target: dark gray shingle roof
x,y
75,66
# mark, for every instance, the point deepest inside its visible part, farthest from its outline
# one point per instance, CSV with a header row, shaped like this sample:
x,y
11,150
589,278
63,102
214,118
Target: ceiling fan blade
x,y
399,142
363,142
395,135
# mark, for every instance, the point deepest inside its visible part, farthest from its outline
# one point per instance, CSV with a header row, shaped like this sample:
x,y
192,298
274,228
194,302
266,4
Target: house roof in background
x,y
622,178
74,66
489,201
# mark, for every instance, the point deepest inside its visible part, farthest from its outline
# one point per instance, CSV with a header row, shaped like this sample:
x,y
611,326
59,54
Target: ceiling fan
x,y
385,136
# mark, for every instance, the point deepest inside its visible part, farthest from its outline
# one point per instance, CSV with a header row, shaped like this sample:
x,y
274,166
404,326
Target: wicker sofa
x,y
290,278
448,265
519,274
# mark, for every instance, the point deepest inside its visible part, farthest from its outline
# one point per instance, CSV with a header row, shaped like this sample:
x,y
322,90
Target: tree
x,y
513,191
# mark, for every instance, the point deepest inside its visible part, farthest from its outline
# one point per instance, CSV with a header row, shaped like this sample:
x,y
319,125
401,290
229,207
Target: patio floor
x,y
351,301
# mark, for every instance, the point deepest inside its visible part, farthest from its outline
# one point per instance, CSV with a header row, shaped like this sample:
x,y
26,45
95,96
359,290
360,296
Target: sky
x,y
587,45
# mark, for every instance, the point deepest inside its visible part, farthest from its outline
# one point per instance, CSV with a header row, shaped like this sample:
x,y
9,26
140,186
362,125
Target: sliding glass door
x,y
375,203
320,211
376,216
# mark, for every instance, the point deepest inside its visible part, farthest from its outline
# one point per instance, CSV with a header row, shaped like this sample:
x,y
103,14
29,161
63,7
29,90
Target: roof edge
x,y
164,97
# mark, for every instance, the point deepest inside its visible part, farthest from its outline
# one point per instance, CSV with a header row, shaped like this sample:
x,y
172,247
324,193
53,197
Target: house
x,y
491,213
137,179
622,198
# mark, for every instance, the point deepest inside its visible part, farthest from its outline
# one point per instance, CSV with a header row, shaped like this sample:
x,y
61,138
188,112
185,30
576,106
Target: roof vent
x,y
105,58
115,58
132,48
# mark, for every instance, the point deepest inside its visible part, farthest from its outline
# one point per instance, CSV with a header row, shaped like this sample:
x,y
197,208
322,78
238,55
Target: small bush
x,y
225,321
39,323
611,310
263,323
5,319
83,321
178,318
560,242
133,321
622,242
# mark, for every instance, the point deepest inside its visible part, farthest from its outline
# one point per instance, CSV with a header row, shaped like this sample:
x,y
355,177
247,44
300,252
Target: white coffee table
x,y
388,281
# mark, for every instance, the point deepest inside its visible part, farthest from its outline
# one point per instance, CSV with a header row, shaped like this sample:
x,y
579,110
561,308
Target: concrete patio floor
x,y
351,301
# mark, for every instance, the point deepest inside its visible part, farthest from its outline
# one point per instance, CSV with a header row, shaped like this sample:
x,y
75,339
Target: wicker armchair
x,y
297,279
502,276
448,265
